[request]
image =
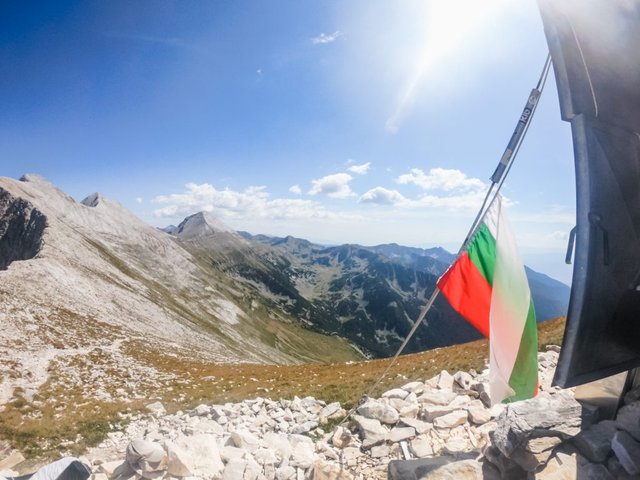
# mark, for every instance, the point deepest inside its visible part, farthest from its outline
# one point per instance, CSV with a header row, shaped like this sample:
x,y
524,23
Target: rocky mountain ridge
x,y
91,292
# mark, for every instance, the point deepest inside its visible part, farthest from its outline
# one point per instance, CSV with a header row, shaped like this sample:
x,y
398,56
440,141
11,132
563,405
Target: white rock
x,y
373,409
398,434
431,412
414,387
479,415
445,381
437,397
420,426
285,473
395,393
379,451
229,452
156,408
331,410
323,470
421,447
198,455
453,419
264,456
463,379
302,452
201,410
371,430
341,437
245,440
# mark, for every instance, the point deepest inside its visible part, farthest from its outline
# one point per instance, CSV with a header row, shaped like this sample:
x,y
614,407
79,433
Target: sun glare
x,y
448,25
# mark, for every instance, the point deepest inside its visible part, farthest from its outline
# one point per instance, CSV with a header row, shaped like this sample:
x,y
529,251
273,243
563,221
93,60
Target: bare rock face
x,y
523,426
21,229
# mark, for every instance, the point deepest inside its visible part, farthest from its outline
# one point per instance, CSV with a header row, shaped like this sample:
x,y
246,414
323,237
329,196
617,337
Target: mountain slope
x,y
372,295
91,296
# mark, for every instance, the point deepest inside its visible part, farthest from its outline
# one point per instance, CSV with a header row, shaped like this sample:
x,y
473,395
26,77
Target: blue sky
x,y
361,121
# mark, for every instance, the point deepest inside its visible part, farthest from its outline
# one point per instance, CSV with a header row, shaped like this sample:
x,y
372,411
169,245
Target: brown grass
x,y
72,423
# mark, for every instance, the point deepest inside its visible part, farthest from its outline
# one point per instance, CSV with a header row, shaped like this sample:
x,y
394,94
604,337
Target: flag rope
x,y
497,180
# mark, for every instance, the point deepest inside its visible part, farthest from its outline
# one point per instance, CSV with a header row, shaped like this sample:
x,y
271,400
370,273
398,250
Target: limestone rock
x,y
323,470
196,455
156,408
479,414
453,419
627,450
379,411
445,381
414,387
431,412
595,442
395,393
147,459
371,430
464,380
341,437
437,397
420,426
421,447
628,419
398,434
546,415
560,467
245,440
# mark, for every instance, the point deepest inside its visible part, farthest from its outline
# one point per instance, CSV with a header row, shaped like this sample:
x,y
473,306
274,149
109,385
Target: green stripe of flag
x,y
482,252
524,375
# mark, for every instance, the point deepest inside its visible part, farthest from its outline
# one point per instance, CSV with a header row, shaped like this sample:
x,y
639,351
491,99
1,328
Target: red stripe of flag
x,y
468,292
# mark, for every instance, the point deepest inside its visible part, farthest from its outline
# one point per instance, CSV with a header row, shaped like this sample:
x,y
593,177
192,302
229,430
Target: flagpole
x,y
497,180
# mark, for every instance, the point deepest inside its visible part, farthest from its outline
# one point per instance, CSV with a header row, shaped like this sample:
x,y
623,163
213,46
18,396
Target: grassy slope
x,y
47,431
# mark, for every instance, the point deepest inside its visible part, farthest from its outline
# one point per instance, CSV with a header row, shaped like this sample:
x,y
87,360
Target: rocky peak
x,y
92,200
201,224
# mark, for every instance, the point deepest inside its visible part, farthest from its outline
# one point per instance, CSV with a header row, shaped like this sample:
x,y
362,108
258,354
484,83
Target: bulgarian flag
x,y
487,285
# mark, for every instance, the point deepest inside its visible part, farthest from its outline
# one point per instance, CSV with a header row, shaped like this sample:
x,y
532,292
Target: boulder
x,y
627,450
451,420
628,419
547,415
196,455
384,413
594,443
147,459
445,381
371,430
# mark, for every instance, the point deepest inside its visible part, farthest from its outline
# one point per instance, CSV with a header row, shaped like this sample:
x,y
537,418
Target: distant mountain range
x,y
87,285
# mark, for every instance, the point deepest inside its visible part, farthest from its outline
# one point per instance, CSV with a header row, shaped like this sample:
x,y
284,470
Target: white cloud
x,y
295,189
382,196
253,202
360,169
335,186
443,179
323,38
139,199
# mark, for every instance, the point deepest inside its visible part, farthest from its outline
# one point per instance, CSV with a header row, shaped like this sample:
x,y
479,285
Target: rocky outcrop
x,y
395,436
21,229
